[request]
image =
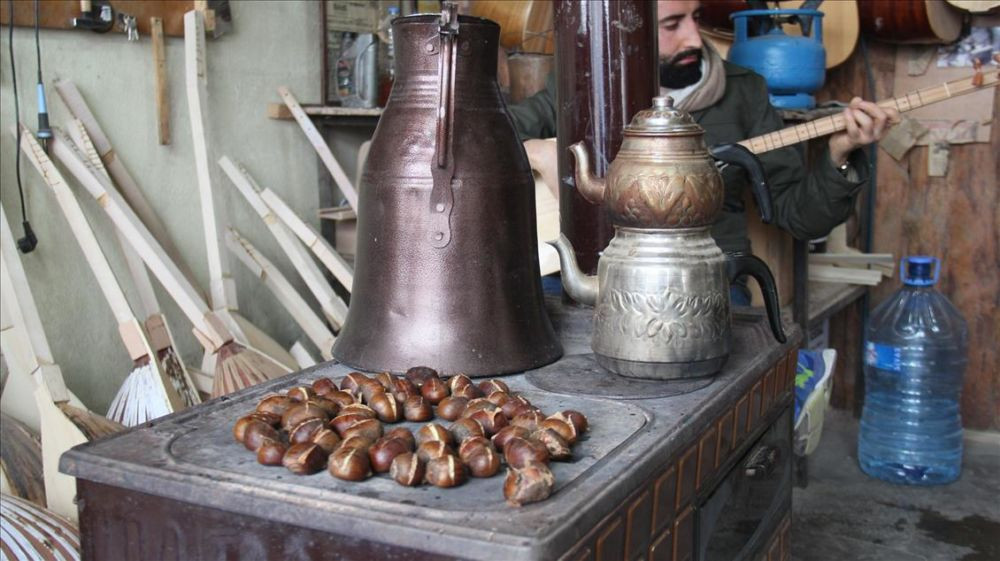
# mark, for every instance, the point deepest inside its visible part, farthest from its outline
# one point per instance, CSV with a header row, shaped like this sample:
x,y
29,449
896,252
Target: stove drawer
x,y
745,508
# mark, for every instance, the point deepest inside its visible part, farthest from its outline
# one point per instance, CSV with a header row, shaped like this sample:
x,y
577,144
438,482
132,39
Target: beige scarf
x,y
712,87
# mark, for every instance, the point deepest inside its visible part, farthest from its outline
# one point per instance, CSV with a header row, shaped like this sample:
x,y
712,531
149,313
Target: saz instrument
x,y
908,102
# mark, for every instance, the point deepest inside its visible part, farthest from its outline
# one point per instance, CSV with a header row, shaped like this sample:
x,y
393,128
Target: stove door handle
x,y
762,462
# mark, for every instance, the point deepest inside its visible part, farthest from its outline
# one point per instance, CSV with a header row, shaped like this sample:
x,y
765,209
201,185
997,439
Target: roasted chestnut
x,y
433,449
270,418
434,390
407,469
403,388
387,380
358,408
451,407
575,418
403,434
342,422
303,459
300,394
491,421
556,445
494,385
350,464
298,413
386,407
420,374
470,392
501,438
276,404
445,471
327,439
331,407
384,451
519,452
271,452
324,385
241,424
359,442
369,389
416,409
473,445
352,381
433,431
341,398
513,406
477,404
529,420
499,398
563,428
529,484
304,431
484,463
255,434
466,428
457,381
369,428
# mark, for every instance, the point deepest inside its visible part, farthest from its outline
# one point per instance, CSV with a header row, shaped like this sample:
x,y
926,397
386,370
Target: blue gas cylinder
x,y
793,67
916,350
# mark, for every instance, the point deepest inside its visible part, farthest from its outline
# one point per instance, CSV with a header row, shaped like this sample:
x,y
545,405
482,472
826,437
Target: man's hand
x,y
866,123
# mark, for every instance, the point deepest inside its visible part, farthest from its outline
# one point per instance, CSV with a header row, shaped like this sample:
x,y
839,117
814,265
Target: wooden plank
x,y
333,307
162,94
123,180
830,273
852,259
302,355
331,259
222,288
316,139
283,290
281,111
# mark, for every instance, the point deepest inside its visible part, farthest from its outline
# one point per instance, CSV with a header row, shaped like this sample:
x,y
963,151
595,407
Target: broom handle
x,y
334,308
123,180
19,304
149,306
329,256
210,331
128,325
223,288
283,290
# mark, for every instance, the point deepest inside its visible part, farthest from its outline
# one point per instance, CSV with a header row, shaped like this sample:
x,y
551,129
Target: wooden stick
x,y
333,307
283,290
829,273
222,288
302,355
210,331
316,139
126,185
327,255
160,80
835,123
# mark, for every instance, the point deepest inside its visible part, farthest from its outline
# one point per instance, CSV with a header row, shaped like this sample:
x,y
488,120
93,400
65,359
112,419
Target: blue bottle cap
x,y
920,270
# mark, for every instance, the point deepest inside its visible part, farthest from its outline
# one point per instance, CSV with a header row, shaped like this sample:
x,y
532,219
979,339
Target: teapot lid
x,y
663,118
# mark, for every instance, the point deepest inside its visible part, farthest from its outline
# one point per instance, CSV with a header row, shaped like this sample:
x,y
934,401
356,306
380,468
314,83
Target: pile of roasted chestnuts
x,y
342,429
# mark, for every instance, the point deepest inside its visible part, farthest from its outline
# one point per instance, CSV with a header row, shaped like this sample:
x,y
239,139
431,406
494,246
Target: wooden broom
x,y
157,329
237,363
327,255
222,287
63,421
283,290
333,307
147,392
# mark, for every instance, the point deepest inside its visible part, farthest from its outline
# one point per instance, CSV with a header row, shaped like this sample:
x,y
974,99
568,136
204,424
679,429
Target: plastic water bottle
x,y
915,356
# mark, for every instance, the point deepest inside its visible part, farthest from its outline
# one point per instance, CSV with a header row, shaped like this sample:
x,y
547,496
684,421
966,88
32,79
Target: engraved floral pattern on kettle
x,y
665,316
666,199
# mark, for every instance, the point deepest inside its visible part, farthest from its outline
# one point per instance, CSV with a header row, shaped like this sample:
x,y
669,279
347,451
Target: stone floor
x,y
843,515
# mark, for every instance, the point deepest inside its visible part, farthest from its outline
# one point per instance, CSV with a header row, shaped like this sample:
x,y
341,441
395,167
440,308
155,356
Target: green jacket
x,y
808,204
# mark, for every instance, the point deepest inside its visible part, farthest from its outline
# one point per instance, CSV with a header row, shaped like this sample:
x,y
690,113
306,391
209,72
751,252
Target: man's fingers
x,y
852,126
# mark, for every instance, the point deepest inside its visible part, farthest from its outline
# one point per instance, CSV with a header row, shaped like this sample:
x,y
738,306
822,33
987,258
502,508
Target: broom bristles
x,y
174,370
238,367
140,399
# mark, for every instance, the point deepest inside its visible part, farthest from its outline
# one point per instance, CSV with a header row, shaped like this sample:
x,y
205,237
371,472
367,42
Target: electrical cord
x,y
27,243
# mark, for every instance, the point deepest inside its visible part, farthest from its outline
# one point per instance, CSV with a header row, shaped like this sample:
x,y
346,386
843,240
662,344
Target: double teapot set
x,y
447,264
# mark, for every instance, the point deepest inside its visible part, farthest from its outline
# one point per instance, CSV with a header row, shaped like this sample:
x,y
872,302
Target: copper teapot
x,y
661,295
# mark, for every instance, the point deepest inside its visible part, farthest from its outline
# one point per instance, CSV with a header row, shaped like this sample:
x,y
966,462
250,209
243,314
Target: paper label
x,y
884,357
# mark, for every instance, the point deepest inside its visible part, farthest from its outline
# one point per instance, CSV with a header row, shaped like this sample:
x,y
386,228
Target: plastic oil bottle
x,y
916,351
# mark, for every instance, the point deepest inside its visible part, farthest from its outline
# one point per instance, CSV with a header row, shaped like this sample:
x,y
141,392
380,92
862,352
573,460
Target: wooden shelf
x,y
826,299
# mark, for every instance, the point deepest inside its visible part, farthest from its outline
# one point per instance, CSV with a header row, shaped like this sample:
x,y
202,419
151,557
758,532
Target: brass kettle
x,y
661,294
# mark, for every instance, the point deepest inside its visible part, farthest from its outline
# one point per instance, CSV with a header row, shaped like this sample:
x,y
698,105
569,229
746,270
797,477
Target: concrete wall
x,y
271,44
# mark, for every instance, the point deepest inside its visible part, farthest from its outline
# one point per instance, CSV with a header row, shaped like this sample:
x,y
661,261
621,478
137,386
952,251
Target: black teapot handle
x,y
740,155
738,264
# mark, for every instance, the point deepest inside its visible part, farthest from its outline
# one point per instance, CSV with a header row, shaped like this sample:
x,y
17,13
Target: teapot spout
x,y
591,187
580,287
